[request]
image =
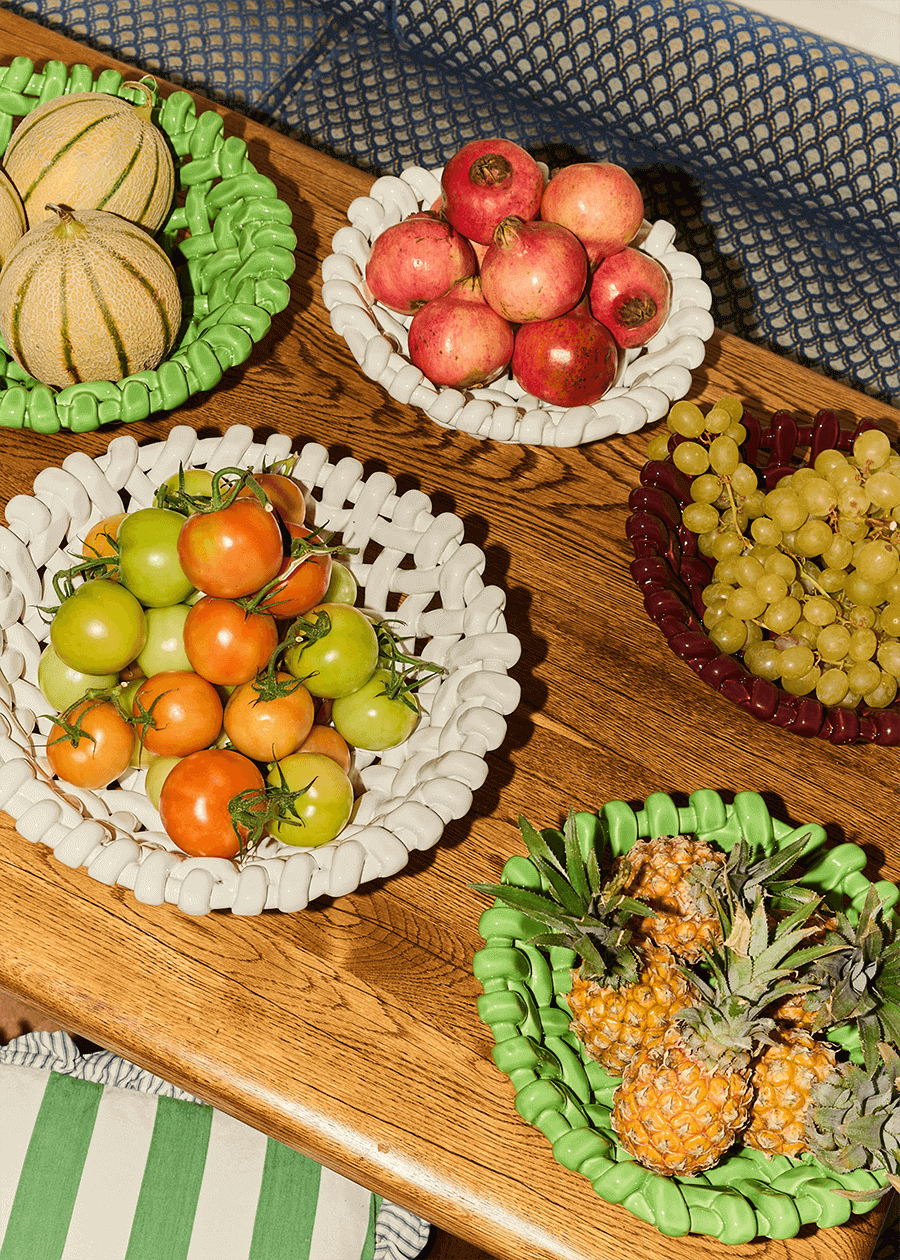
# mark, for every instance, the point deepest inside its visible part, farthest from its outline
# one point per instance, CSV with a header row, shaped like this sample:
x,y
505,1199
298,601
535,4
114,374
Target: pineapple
x,y
616,1018
621,996
785,1075
683,1102
854,1122
655,871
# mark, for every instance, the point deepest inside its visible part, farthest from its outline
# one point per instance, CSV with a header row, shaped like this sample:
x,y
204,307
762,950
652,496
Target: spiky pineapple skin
x,y
657,868
614,1023
675,1112
784,1076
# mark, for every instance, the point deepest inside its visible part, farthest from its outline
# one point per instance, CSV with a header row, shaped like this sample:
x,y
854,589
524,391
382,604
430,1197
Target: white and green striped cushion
x,y
93,1171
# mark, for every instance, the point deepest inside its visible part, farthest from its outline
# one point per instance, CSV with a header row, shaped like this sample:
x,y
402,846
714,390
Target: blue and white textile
x,y
775,151
101,1160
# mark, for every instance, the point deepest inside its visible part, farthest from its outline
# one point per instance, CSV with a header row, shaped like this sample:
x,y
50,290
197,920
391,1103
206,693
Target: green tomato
x,y
197,482
148,557
342,589
371,718
323,807
164,649
338,661
62,686
157,769
99,629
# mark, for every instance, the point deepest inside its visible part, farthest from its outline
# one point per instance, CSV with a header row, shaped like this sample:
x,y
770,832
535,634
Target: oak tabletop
x,y
350,1030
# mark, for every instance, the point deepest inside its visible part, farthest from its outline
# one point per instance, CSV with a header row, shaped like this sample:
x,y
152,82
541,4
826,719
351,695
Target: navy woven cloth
x,y
774,152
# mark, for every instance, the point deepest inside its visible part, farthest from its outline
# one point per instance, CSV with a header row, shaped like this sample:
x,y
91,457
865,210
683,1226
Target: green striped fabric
x,y
97,1172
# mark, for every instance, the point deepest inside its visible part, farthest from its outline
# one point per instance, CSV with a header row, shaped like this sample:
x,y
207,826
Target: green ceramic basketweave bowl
x,y
568,1096
230,239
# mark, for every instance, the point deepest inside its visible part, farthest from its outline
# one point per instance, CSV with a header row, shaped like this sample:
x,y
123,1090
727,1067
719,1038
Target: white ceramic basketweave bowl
x,y
649,381
409,563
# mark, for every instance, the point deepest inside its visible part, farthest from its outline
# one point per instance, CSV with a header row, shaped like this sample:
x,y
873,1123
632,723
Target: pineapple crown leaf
x,y
854,1119
747,877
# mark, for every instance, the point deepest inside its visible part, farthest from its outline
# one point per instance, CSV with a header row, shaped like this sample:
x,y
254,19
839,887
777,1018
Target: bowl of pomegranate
x,y
239,676
515,305
768,555
668,989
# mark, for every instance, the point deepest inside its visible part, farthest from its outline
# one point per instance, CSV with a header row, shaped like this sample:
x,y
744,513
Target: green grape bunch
x,y
806,577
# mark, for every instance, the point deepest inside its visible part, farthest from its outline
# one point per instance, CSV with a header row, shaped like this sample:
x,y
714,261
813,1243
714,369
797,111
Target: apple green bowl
x,y
568,1096
228,235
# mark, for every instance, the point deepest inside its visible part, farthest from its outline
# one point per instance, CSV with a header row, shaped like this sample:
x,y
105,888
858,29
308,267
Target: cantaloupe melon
x,y
88,298
92,151
12,217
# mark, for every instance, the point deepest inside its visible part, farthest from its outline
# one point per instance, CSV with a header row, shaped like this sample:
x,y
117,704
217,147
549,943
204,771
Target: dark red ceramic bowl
x,y
671,574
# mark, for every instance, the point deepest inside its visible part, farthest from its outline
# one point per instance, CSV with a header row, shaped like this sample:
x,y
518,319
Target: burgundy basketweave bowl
x,y
671,574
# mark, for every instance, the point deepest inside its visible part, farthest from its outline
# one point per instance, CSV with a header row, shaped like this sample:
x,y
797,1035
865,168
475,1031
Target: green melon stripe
x,y
106,315
286,1211
52,1170
151,193
123,176
16,313
167,1203
63,150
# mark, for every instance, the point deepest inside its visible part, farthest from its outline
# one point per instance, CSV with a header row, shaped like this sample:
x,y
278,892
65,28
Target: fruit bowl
x,y
409,563
671,575
567,1095
649,379
228,235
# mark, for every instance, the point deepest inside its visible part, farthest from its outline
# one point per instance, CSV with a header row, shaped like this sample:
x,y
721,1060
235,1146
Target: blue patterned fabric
x,y
774,152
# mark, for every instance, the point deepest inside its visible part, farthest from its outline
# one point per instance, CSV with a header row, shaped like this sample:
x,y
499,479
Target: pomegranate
x,y
416,260
533,270
486,181
458,340
569,361
599,202
631,294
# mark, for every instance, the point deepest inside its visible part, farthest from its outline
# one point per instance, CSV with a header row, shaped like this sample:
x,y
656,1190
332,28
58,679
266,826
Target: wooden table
x,y
350,1031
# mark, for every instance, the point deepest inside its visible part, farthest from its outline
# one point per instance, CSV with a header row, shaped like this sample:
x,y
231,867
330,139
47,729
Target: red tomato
x,y
225,643
96,749
305,581
268,729
326,740
185,711
283,493
232,551
193,801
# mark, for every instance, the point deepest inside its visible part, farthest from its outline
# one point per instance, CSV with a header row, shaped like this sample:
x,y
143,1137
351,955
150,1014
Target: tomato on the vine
x,y
226,643
269,717
91,744
100,540
284,494
380,714
180,713
194,800
327,741
302,580
233,550
148,557
100,628
164,648
62,686
319,799
334,649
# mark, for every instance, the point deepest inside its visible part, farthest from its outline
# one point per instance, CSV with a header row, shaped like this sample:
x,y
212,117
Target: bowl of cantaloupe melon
x,y
127,285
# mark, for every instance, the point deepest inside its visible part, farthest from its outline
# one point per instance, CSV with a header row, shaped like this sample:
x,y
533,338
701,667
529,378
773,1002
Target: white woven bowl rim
x,y
650,378
411,792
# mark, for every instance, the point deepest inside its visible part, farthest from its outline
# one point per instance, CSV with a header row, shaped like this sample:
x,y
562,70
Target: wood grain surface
x,y
350,1031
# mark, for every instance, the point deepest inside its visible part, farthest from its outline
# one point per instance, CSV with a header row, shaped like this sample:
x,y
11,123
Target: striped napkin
x,y
93,1171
